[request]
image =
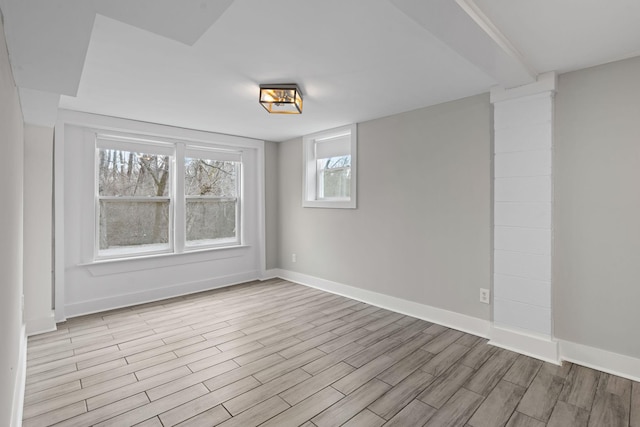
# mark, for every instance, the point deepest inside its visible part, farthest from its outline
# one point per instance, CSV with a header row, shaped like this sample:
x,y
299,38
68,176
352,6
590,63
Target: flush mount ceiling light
x,y
281,98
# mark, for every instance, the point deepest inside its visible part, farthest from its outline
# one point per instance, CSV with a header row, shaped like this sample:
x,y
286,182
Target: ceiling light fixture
x,y
281,98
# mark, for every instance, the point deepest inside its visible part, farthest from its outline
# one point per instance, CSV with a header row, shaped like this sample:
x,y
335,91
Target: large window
x,y
330,168
160,197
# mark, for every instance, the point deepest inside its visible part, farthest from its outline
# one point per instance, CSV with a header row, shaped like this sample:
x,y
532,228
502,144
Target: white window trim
x,y
310,169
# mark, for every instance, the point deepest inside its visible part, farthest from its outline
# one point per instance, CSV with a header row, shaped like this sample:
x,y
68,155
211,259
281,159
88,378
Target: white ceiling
x,y
198,63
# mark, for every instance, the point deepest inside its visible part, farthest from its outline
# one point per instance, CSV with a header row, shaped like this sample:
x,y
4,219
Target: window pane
x,y
133,226
334,177
204,177
210,221
129,173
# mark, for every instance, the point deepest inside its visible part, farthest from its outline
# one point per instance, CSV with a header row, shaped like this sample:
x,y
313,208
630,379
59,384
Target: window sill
x,y
106,267
335,204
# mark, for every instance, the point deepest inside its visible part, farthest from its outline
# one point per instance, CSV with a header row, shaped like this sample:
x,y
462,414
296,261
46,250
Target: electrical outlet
x,y
293,258
485,296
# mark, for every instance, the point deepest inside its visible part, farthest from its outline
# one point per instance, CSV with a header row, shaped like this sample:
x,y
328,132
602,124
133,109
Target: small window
x,y
330,168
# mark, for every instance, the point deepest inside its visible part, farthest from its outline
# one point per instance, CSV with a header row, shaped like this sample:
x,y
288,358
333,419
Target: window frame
x,y
177,234
220,155
311,172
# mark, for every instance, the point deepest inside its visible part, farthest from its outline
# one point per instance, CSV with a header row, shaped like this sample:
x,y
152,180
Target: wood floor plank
x,y
265,391
635,405
405,367
479,354
107,411
565,414
442,341
234,375
135,388
316,383
518,419
402,351
446,385
50,393
445,359
400,395
258,414
127,369
339,342
523,371
541,396
365,418
299,348
371,352
208,402
415,413
611,406
202,360
489,374
305,409
151,422
332,358
498,406
208,418
150,410
360,376
288,365
457,410
77,395
349,406
56,416
186,381
261,352
580,387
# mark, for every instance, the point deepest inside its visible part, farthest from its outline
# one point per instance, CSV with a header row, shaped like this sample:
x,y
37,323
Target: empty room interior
x,y
320,213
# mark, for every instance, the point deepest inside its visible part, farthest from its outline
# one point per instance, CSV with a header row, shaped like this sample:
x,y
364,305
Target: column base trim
x,y
536,346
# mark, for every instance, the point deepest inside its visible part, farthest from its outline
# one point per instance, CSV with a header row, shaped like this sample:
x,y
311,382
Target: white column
x,y
523,227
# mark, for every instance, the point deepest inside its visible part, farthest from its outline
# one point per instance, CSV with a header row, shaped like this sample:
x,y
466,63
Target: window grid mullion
x,y
180,226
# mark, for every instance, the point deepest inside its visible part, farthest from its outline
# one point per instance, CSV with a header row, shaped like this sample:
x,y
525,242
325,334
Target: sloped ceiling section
x,y
198,63
452,24
48,40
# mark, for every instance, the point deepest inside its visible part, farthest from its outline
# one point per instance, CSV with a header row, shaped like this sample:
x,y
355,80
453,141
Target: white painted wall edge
x,y
536,346
601,360
135,298
41,325
447,318
20,384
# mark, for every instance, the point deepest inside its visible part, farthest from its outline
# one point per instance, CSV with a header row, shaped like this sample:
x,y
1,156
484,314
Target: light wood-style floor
x,y
281,354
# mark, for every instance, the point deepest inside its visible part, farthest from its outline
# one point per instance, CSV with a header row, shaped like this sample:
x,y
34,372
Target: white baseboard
x,y
536,346
41,325
601,360
540,347
126,300
447,318
21,377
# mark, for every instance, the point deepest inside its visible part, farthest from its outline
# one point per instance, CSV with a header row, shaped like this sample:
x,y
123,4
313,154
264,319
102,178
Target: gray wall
x,y
38,193
596,269
11,147
271,203
422,229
